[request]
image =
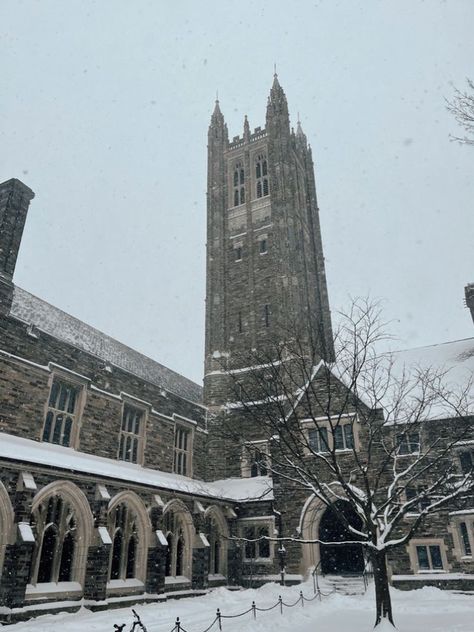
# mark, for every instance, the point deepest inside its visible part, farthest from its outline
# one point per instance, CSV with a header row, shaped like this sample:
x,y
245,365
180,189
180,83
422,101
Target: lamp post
x,y
281,547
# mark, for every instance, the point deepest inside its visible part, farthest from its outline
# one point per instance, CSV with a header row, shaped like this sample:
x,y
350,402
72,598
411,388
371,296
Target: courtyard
x,y
427,610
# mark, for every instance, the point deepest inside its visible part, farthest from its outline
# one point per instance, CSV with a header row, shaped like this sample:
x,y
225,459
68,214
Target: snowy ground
x,y
425,610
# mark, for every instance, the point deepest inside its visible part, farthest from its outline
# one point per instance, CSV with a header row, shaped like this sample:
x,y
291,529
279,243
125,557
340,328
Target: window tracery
x,y
55,525
125,541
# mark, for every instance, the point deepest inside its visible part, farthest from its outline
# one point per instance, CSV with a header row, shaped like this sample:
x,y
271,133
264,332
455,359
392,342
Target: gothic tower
x,y
265,265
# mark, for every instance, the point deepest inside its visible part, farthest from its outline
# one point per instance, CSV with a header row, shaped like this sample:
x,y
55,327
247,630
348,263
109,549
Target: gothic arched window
x,y
123,528
239,181
216,545
261,176
177,544
54,522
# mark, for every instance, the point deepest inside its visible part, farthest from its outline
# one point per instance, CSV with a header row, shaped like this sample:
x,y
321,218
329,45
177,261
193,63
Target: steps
x,y
347,584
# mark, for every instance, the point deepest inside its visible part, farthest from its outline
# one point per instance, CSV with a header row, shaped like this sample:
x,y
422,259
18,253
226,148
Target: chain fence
x,y
217,622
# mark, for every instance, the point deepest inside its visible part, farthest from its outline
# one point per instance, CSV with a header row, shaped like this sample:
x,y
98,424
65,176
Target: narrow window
x,y
130,434
182,447
263,246
338,438
61,413
238,253
240,322
266,315
423,560
318,439
348,436
239,184
261,176
263,544
250,548
466,545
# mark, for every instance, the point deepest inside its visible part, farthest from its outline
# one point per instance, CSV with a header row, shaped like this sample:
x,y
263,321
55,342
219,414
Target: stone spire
x,y
217,117
300,135
246,129
277,107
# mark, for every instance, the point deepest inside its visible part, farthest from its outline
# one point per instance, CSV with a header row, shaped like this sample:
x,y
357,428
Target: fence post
x,y
218,615
178,625
254,608
302,598
280,601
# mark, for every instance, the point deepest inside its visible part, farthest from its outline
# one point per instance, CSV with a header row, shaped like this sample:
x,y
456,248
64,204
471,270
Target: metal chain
x,y
301,599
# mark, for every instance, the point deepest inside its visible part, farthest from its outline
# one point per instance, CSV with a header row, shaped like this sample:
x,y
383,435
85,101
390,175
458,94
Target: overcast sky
x,y
104,113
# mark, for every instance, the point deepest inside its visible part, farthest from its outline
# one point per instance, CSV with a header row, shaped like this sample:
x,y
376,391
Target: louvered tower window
x,y
261,176
239,184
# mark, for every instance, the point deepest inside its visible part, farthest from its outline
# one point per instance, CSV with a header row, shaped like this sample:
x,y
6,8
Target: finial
x,y
299,121
275,70
217,96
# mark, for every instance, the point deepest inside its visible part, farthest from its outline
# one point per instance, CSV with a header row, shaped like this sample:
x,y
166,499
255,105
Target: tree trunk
x,y
383,603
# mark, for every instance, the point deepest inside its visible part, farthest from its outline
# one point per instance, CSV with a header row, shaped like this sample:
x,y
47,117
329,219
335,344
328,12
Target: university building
x,y
113,481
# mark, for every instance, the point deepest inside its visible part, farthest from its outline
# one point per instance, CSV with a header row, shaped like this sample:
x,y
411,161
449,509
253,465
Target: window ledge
x,y
125,586
49,589
259,560
178,579
432,572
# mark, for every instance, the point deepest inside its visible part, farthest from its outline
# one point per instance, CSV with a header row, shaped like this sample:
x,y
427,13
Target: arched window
x,y
123,528
216,546
178,545
54,522
239,181
261,176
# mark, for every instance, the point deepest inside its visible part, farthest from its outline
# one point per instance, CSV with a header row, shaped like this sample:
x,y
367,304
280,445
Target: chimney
x,y
15,198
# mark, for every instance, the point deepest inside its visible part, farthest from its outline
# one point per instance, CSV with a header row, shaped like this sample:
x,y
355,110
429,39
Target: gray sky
x,y
104,113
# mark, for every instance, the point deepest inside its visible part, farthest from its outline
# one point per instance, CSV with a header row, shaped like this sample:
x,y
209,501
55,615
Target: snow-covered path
x,y
426,610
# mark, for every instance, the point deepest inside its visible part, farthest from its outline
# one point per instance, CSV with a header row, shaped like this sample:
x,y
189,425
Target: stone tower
x,y
265,265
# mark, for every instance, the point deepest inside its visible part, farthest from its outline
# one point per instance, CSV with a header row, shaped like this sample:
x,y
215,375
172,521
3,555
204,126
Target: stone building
x,y
114,483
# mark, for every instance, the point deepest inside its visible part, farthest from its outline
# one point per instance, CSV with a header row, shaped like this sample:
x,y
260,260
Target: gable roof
x,y
60,325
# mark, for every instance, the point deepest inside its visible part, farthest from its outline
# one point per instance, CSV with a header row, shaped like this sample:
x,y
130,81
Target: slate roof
x,y
56,323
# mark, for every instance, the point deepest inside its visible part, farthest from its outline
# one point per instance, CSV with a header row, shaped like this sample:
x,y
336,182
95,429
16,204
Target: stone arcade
x,y
111,483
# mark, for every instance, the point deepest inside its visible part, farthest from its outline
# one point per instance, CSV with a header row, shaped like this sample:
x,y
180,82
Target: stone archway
x,y
333,527
319,522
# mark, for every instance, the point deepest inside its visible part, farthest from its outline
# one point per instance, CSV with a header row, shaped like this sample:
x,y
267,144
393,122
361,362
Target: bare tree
x,y
356,433
462,107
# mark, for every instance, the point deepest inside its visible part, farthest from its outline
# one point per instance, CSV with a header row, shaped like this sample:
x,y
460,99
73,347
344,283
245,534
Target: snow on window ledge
x,y
216,578
179,579
125,585
52,589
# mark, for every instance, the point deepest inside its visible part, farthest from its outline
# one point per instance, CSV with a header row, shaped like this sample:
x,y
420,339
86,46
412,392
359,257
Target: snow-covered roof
x,y
455,359
41,453
452,361
56,323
